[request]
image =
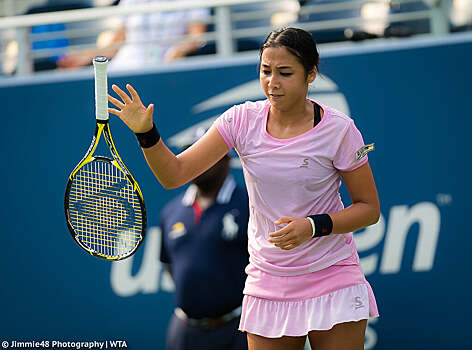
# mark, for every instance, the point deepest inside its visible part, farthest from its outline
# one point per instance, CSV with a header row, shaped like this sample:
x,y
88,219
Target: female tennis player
x,y
304,277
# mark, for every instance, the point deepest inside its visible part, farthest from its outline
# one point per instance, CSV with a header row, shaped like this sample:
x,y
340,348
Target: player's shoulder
x,y
255,105
335,118
336,115
251,107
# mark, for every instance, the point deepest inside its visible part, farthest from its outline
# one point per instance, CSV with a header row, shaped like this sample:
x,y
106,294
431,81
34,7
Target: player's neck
x,y
297,113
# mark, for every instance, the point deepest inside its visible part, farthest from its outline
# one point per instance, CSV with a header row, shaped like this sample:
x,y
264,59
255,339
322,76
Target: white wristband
x,y
312,226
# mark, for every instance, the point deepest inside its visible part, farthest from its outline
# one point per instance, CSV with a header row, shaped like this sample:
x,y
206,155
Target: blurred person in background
x,y
148,38
59,40
51,45
204,247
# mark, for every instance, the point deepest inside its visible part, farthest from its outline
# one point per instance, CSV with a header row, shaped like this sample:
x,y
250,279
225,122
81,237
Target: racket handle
x,y
101,88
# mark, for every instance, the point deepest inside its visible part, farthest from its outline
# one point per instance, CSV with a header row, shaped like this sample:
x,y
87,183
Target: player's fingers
x,y
287,240
282,240
283,220
114,111
150,110
124,96
279,234
116,102
134,94
288,246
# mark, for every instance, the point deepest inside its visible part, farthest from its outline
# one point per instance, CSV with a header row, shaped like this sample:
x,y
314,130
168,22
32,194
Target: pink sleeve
x,y
229,125
349,155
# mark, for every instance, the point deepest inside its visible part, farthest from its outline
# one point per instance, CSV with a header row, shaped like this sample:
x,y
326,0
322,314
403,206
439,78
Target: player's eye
x,y
266,72
286,74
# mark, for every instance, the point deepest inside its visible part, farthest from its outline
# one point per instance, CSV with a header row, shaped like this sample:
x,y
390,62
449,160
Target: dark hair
x,y
298,42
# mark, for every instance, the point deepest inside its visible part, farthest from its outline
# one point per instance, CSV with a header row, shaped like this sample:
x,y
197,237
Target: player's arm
x,y
365,207
172,171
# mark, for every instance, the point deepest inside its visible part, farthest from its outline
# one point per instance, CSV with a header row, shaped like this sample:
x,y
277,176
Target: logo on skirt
x,y
359,304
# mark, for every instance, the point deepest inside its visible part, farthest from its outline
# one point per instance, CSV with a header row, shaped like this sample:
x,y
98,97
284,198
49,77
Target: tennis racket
x,y
104,206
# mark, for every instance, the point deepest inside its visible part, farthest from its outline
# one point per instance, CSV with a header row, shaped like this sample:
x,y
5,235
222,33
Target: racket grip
x,y
101,87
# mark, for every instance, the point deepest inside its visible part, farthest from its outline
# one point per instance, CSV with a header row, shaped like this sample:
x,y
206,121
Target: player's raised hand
x,y
131,110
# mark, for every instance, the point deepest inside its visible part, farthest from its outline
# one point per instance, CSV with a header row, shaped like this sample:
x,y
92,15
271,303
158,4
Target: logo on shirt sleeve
x,y
229,118
361,153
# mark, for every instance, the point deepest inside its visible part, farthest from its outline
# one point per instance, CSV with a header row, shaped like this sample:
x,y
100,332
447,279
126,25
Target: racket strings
x,y
105,210
90,208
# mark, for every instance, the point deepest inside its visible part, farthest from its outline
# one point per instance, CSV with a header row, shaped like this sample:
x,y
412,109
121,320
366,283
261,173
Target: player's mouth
x,y
275,96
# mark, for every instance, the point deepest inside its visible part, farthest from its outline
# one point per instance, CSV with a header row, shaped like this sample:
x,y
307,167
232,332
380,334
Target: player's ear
x,y
311,76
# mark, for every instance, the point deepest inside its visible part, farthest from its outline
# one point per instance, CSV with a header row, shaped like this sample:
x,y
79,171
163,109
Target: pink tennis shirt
x,y
292,177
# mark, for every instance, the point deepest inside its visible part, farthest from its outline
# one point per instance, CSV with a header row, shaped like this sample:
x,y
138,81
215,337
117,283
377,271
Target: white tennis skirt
x,y
272,316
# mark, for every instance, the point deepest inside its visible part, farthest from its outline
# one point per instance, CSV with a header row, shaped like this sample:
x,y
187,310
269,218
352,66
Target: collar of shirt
x,y
224,195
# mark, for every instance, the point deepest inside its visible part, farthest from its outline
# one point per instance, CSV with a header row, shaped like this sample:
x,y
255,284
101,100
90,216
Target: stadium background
x,y
410,97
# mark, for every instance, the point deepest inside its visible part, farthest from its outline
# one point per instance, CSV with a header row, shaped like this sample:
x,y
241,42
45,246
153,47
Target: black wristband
x,y
150,138
323,224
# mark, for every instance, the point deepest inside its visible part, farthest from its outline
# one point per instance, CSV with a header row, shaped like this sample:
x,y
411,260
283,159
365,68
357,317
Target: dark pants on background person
x,y
181,336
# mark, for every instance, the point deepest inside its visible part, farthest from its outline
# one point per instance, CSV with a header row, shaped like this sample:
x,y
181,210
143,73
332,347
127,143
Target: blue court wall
x,y
411,97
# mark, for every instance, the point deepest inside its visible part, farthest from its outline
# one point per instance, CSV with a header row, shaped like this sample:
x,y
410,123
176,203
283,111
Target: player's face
x,y
283,78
